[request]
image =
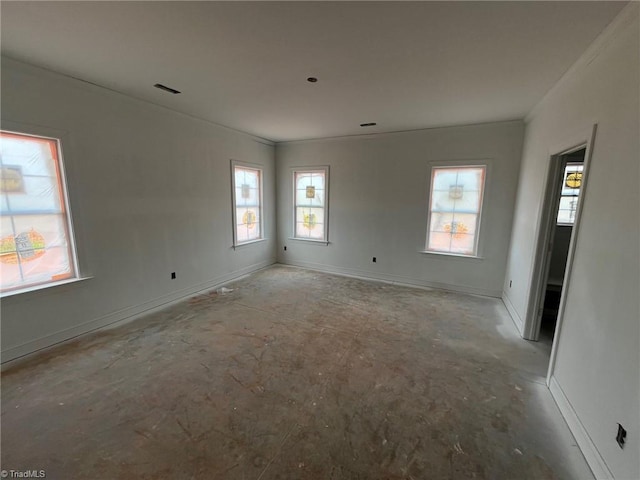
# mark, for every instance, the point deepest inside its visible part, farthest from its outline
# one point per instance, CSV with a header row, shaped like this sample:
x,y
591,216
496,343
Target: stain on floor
x,y
294,375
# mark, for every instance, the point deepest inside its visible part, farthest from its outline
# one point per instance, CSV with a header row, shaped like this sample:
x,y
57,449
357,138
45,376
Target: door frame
x,y
546,229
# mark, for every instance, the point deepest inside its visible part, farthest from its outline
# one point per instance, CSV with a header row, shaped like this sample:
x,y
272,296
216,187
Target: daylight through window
x,y
35,233
571,183
310,188
454,209
247,197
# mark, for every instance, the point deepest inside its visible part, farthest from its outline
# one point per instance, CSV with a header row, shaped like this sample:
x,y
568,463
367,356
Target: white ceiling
x,y
244,65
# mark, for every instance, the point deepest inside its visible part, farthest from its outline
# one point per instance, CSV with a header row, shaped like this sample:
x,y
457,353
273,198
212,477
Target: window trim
x,y
250,166
59,137
477,248
307,169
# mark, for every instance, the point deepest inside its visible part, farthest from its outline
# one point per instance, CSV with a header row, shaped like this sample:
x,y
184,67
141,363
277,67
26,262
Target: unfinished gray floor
x,y
294,375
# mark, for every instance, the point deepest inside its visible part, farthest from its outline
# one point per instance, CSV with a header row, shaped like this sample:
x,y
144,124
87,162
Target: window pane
x,y
572,180
471,179
303,231
439,220
440,241
465,222
442,201
461,243
444,178
50,227
311,197
37,252
40,194
567,209
249,222
247,196
317,179
455,203
34,156
247,176
310,222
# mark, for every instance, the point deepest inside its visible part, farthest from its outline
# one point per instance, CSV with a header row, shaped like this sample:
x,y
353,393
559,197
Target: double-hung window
x,y
36,241
310,211
455,207
247,203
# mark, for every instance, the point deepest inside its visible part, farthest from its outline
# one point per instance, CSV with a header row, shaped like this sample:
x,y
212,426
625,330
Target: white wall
x,y
379,200
150,194
596,378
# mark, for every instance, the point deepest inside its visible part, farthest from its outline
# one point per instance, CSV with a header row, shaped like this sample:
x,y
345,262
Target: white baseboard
x,y
517,321
393,279
588,448
12,355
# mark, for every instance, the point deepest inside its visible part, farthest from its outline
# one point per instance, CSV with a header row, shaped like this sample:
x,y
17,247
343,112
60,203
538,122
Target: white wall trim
x,y
517,321
12,355
626,16
393,279
588,448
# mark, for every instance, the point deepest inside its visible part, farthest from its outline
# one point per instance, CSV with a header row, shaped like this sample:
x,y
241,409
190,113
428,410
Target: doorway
x,y
569,177
562,204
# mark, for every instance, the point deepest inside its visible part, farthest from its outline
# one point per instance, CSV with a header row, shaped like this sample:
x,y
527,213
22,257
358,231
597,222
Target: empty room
x,y
320,240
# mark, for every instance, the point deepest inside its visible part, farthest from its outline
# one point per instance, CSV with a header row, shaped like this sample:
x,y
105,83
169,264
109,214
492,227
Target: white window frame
x,y
477,243
58,138
248,166
311,169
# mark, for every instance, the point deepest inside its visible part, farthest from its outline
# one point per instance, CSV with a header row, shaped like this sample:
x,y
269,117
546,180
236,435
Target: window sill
x,y
250,242
456,255
36,290
310,240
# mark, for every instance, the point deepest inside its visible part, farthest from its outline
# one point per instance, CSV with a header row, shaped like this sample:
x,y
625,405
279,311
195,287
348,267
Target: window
x,y
454,209
247,203
571,183
36,245
310,193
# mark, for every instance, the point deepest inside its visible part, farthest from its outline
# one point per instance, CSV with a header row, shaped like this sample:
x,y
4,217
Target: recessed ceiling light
x,y
167,89
312,79
370,124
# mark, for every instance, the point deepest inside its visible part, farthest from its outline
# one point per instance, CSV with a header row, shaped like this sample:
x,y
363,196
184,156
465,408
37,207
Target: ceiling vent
x,y
167,89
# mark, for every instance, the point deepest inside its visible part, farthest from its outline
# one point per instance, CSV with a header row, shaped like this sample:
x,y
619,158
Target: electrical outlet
x,y
374,259
621,436
510,282
285,248
173,275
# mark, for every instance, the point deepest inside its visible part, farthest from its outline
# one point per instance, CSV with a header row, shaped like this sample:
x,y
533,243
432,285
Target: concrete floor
x,y
294,375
